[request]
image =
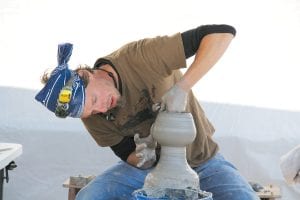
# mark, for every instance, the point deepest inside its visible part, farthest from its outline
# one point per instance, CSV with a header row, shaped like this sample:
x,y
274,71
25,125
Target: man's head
x,y
64,92
101,93
78,93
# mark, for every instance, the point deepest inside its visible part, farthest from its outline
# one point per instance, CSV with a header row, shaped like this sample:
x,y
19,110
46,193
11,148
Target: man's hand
x,y
174,100
290,165
145,151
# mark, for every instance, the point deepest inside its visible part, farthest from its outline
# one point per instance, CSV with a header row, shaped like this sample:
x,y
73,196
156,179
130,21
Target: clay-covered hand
x,y
290,165
174,100
145,151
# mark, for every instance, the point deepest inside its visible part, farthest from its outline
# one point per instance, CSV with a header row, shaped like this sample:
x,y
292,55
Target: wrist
x,y
183,85
133,159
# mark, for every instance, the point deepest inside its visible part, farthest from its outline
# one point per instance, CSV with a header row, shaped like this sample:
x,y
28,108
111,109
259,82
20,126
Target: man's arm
x,y
133,159
211,47
210,50
138,152
126,151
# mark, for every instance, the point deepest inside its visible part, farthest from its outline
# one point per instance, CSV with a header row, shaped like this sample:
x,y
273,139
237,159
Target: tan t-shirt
x,y
148,68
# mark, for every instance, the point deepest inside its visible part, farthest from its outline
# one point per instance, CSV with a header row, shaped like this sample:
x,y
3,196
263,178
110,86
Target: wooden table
x,y
75,183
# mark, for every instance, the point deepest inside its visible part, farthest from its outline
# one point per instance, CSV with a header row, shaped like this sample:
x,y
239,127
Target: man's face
x,y
100,94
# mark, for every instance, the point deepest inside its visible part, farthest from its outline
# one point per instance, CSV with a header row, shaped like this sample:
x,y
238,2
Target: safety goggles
x,y
64,98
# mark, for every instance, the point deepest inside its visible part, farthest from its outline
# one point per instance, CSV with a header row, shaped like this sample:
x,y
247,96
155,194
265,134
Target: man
x,y
119,98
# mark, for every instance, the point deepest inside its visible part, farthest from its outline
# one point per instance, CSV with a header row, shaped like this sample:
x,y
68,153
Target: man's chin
x,y
120,102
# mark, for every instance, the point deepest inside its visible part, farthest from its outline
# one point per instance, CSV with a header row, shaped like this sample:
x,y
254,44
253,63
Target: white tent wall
x,y
260,67
53,149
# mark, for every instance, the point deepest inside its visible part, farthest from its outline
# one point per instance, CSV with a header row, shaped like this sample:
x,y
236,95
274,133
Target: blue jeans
x,y
217,176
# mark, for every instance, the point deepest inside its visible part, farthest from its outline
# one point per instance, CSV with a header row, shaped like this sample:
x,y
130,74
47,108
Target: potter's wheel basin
x,y
173,194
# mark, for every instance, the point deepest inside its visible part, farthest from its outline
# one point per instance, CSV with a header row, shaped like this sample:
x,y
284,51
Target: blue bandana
x,y
63,79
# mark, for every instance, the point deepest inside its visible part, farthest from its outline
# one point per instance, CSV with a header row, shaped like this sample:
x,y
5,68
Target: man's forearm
x,y
210,50
132,159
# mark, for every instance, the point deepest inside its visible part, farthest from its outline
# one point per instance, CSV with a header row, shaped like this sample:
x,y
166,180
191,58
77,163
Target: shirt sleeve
x,y
124,148
160,55
192,38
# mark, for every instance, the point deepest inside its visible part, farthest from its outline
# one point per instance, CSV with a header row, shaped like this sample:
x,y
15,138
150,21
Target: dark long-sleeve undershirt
x,y
192,38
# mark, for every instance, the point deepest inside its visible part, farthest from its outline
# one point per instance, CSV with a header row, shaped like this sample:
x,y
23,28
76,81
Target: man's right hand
x,y
174,100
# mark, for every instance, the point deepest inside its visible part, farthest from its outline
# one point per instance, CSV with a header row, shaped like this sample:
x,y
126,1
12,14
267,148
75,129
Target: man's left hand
x,y
145,151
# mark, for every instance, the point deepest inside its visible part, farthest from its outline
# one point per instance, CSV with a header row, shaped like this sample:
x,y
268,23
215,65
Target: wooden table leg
x,y
72,193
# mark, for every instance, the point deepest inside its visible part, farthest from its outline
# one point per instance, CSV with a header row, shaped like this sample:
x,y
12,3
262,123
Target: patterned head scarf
x,y
64,92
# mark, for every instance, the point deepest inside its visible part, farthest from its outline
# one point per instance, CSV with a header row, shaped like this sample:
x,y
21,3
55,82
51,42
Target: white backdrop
x,y
260,68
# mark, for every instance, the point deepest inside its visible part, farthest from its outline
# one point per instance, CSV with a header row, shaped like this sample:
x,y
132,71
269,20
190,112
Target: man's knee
x,y
105,190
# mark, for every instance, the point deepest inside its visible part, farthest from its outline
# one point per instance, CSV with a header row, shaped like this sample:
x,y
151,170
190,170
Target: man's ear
x,y
85,75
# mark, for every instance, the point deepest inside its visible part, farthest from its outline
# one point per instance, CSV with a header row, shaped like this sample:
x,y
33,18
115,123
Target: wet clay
x,y
173,131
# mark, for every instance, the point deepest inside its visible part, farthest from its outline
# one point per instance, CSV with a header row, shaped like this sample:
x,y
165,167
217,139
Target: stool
x,y
75,183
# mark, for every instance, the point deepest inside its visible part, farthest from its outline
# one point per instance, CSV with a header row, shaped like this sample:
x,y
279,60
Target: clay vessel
x,y
173,131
